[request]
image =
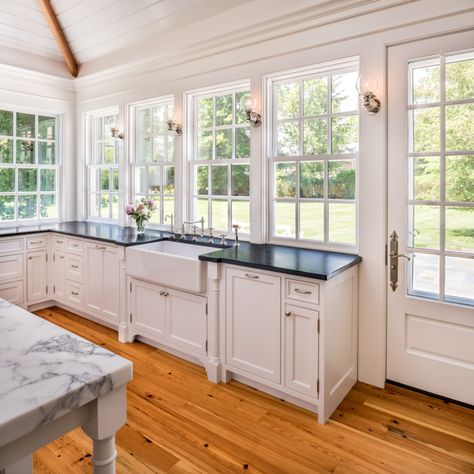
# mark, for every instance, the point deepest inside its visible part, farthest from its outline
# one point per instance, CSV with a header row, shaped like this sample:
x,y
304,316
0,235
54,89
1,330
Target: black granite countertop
x,y
310,263
319,264
92,230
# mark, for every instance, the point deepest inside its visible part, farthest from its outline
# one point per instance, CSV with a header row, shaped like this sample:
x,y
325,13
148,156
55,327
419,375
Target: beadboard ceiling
x,y
106,34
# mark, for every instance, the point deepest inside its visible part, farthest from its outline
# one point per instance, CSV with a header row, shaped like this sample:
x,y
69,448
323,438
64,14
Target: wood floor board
x,y
180,423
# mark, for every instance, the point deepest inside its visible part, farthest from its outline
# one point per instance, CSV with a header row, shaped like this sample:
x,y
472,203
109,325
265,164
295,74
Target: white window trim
x,y
269,80
59,142
132,164
86,160
189,147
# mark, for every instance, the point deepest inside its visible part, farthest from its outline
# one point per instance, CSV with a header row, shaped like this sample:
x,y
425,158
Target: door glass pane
x,y
460,228
312,179
460,127
460,279
425,226
241,215
425,274
424,173
285,219
426,130
460,77
460,178
285,179
342,223
426,84
312,220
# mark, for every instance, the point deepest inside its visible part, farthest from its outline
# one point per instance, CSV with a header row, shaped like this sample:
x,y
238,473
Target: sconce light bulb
x,y
247,102
366,83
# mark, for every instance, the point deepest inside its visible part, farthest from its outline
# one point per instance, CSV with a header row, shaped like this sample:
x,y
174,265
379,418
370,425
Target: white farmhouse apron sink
x,y
171,264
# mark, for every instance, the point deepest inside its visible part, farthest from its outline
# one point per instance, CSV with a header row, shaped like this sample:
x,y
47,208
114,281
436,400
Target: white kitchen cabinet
x,y
174,318
253,323
59,275
186,321
147,309
102,280
37,272
11,267
13,291
301,355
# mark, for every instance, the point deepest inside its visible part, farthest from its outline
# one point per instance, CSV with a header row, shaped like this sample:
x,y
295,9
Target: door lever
x,y
398,255
394,256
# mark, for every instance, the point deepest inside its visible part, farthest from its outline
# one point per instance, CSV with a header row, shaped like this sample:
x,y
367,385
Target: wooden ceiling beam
x,y
58,33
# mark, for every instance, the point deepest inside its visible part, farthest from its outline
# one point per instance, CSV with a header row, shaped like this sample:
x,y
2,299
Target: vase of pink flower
x,y
141,212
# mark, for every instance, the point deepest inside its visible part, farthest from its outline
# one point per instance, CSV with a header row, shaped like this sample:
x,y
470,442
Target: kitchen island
x,y
52,381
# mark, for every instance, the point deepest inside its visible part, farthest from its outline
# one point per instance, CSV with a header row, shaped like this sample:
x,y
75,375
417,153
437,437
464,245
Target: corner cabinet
x,y
293,337
102,281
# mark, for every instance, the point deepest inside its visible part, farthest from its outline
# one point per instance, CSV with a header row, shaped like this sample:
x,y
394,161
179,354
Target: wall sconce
x,y
117,133
247,102
175,127
366,86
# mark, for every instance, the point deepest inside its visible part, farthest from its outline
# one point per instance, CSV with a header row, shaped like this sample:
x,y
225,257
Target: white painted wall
x,y
274,46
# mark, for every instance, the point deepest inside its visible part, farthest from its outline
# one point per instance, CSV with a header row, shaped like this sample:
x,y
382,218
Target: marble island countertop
x,y
46,372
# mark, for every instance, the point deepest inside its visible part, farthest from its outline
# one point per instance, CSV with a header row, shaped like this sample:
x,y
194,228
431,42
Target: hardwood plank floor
x,y
178,422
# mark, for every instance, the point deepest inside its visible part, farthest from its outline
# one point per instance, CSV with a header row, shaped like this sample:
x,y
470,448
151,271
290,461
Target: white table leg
x,y
108,414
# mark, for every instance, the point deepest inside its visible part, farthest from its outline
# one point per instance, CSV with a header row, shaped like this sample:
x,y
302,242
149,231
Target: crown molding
x,y
303,20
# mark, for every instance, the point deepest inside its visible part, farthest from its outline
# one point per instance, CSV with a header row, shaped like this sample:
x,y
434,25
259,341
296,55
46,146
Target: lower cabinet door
x,y
253,334
59,276
301,349
186,321
36,276
147,308
12,292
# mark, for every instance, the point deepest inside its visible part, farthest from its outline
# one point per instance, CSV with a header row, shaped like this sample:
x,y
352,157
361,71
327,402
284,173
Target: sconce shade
x,y
247,102
366,83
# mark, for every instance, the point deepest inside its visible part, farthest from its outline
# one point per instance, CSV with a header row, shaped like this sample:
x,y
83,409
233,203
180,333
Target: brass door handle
x,y
303,292
398,255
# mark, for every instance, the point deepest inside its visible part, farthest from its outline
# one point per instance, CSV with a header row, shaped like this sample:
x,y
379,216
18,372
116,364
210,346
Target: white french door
x,y
430,326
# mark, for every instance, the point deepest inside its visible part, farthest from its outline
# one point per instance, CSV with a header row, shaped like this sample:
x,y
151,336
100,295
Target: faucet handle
x,y
236,226
222,236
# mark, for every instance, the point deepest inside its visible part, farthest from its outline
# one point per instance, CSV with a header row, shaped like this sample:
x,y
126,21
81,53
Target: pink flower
x,y
129,209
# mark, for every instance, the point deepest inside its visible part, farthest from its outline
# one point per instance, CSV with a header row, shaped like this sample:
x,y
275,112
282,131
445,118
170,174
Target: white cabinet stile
x,y
59,275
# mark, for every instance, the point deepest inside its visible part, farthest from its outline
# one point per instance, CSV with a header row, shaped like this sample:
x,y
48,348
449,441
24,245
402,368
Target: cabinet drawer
x,y
74,267
36,242
12,292
75,245
11,245
11,267
302,291
74,294
59,242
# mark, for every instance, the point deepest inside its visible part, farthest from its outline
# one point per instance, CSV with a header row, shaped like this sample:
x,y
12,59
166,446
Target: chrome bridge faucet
x,y
185,223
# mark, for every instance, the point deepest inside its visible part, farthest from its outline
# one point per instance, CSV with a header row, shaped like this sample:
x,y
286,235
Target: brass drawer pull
x,y
303,292
60,241
288,314
75,266
99,247
252,277
36,242
74,293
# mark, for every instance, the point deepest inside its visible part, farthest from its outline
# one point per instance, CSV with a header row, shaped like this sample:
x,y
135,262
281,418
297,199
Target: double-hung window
x,y
153,164
219,158
102,168
312,144
28,167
